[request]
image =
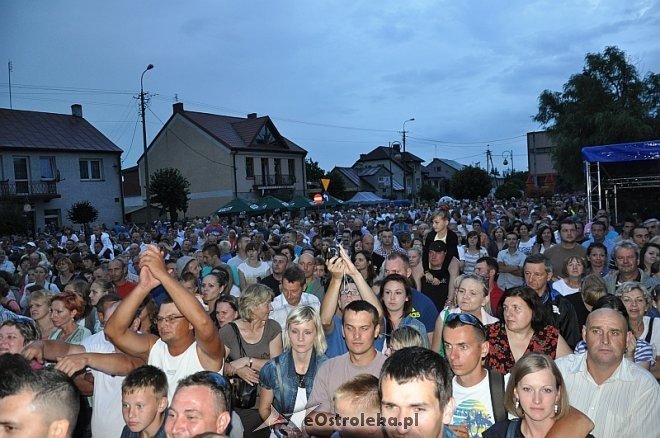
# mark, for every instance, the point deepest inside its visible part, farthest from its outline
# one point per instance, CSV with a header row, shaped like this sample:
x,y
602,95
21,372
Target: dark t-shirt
x,y
439,293
272,283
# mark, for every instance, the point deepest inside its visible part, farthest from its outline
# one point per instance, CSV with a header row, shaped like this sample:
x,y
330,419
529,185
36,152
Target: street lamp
x,y
144,144
509,155
405,184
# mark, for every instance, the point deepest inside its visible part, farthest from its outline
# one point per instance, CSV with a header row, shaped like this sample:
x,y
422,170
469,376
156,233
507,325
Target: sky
x,y
338,78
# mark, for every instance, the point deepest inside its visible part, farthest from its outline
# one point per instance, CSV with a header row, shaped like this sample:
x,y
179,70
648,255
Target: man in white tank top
x,y
189,341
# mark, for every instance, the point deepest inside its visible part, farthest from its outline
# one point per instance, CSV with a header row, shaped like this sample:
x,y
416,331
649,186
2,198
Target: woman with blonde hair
x,y
536,396
250,342
287,380
591,289
39,304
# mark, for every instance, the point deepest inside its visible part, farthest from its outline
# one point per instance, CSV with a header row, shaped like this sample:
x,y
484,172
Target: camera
x,y
333,251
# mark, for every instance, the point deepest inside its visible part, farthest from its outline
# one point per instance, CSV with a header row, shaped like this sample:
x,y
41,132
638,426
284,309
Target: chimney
x,y
397,148
76,110
177,107
252,116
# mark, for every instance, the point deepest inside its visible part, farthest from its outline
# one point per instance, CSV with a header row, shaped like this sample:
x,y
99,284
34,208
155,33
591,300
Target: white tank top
x,y
175,367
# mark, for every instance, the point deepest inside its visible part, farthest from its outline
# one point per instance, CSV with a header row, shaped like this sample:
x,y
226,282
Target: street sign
x,y
325,182
318,199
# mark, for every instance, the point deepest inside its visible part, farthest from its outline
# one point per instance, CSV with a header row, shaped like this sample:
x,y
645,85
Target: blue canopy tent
x,y
625,166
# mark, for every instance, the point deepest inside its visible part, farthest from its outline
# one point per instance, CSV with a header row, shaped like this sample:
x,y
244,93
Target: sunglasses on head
x,y
466,318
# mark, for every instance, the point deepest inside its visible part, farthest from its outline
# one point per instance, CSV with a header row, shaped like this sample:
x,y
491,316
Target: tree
x,y
606,103
83,213
470,182
314,171
337,186
428,193
169,190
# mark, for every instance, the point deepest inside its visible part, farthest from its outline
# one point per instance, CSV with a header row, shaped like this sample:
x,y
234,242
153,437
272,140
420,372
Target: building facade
x,y
225,157
48,162
539,159
439,172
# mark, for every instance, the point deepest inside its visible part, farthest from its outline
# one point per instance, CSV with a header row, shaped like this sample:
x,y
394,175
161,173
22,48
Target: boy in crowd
x,y
144,403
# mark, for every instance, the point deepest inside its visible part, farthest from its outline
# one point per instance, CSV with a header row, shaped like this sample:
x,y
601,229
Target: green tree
x,y
169,190
428,193
470,182
83,213
337,186
608,102
314,171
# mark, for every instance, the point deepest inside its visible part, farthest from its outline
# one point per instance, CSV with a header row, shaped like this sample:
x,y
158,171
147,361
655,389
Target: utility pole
x,y
405,168
10,68
144,145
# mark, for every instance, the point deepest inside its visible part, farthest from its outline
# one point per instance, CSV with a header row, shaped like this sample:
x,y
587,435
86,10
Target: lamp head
x,y
150,66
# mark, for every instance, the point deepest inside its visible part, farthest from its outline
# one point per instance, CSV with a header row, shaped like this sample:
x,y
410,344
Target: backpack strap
x,y
512,428
496,386
650,333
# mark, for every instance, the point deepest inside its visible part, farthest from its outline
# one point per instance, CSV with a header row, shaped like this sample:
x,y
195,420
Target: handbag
x,y
243,394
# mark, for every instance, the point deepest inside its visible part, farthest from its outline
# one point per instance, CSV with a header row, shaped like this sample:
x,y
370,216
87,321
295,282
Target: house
x,y
439,171
539,159
375,179
225,157
399,164
50,161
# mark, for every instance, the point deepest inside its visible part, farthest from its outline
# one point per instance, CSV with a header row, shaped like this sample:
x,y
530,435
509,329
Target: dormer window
x,y
265,137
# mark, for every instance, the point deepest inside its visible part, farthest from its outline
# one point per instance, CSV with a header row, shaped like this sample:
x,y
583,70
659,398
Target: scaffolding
x,y
603,173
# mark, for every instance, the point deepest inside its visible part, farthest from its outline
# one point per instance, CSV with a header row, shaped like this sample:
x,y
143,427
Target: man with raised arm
x,y
189,341
338,296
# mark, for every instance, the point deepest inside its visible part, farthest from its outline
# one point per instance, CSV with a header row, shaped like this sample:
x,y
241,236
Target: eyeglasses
x,y
351,293
466,318
168,319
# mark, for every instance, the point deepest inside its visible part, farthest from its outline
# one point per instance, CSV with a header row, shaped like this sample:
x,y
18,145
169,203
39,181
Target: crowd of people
x,y
468,319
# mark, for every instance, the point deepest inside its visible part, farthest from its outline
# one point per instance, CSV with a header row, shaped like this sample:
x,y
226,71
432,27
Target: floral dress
x,y
500,358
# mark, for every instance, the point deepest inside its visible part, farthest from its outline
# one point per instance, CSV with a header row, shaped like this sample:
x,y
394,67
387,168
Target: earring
x,y
517,403
556,408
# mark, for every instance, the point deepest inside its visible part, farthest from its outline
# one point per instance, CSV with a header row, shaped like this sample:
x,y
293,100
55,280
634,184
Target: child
x,y
144,402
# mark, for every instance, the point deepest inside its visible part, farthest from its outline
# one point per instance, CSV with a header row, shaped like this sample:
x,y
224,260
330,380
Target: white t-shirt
x,y
563,288
107,419
474,406
253,275
526,247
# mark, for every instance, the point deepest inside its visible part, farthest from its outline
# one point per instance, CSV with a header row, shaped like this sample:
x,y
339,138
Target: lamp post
x,y
508,155
405,183
144,144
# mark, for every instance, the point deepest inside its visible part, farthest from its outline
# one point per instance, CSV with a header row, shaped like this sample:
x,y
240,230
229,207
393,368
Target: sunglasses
x,y
466,318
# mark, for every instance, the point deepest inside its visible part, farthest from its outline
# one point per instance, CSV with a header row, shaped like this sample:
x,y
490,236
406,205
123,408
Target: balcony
x,y
274,181
30,190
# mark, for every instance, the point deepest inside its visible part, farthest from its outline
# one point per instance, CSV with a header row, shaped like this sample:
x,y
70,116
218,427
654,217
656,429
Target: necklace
x,y
301,379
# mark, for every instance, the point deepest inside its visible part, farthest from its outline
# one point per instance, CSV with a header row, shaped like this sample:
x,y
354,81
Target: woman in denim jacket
x,y
286,381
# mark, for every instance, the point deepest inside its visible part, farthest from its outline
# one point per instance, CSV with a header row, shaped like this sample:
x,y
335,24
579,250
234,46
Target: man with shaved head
x,y
312,285
621,398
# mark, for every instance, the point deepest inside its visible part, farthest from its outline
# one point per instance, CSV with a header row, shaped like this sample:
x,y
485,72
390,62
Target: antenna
x,y
10,67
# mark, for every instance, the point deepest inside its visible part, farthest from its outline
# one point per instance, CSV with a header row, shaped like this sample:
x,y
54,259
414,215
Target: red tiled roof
x,y
47,131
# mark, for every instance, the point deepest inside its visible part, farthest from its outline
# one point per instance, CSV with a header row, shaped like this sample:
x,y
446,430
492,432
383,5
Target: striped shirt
x,y
626,405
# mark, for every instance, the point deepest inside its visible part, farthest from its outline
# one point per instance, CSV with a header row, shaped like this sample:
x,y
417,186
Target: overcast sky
x,y
337,77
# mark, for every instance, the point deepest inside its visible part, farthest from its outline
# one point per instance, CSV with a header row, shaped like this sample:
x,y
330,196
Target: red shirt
x,y
496,294
125,289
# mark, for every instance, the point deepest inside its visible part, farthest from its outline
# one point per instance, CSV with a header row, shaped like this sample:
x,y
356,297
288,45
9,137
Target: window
x,y
264,167
22,175
52,218
265,137
292,167
90,170
47,167
249,167
278,166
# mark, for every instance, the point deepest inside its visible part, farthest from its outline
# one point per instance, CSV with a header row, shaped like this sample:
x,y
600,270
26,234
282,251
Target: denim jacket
x,y
288,389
